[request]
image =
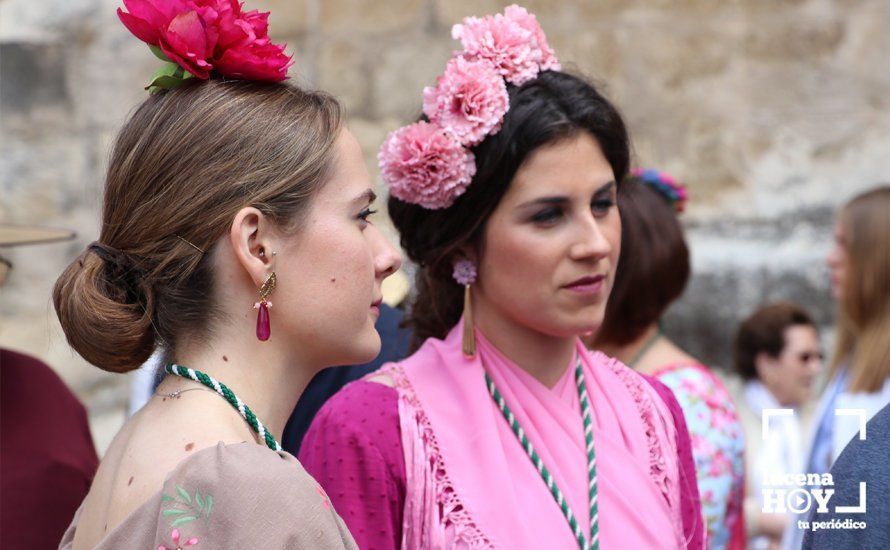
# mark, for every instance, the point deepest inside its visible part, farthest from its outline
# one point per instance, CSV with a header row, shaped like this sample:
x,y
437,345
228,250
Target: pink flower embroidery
x,y
422,164
325,501
469,100
174,536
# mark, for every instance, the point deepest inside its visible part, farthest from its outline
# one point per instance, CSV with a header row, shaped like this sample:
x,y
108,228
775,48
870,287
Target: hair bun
x,y
104,310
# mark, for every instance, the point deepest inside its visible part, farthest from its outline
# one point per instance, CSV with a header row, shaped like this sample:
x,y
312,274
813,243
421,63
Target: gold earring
x,y
465,274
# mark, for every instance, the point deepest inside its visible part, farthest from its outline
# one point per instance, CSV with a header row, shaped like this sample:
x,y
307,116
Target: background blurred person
x,y
48,457
859,375
778,356
652,273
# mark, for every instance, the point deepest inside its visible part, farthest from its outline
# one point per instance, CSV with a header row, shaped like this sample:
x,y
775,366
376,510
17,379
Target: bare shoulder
x,y
151,445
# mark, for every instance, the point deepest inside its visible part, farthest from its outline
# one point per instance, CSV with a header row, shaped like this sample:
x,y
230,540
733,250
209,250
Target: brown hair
x,y
552,107
182,166
764,331
653,268
864,309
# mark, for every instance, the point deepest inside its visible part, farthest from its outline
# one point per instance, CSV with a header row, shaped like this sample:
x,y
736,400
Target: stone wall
x,y
773,111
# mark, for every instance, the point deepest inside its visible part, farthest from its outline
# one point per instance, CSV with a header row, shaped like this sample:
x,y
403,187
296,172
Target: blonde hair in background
x,y
863,337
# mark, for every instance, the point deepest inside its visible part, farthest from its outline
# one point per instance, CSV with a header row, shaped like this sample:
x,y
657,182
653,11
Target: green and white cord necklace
x,y
585,543
228,395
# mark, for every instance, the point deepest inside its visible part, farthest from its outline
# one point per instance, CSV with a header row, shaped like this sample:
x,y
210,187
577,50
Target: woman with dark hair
x,y
502,430
652,273
226,189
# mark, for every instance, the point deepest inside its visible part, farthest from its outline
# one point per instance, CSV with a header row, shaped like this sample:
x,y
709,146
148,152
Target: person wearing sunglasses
x,y
778,355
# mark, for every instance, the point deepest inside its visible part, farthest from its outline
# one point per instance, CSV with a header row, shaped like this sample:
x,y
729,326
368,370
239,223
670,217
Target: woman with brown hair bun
x,y
502,430
652,273
226,191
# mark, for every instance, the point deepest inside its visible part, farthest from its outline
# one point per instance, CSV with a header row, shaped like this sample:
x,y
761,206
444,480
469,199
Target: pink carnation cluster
x,y
470,100
209,35
424,165
467,104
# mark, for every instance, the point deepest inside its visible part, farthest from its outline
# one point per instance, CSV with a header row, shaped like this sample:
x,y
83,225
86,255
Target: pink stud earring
x,y
465,274
263,325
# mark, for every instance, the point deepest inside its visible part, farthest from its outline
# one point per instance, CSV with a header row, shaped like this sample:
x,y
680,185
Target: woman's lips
x,y
587,285
375,307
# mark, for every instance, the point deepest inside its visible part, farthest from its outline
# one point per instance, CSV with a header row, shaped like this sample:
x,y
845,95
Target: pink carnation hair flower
x,y
545,57
424,165
469,100
511,48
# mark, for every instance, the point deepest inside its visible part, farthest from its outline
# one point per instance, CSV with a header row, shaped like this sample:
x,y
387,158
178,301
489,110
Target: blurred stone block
x,y
31,75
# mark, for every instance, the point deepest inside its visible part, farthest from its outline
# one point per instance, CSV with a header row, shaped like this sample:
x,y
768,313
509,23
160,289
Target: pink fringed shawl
x,y
470,484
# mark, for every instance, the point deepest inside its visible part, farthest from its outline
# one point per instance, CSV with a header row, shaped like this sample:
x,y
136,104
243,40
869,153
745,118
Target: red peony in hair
x,y
200,37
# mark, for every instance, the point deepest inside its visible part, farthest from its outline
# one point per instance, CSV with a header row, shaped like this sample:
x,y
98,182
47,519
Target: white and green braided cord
x,y
585,543
228,395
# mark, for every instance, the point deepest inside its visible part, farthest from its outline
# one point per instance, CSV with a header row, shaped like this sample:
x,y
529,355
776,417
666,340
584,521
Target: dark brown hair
x,y
182,166
764,332
552,107
653,268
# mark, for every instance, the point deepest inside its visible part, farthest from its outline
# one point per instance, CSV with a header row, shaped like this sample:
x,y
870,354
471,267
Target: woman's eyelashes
x,y
365,214
551,215
600,206
547,216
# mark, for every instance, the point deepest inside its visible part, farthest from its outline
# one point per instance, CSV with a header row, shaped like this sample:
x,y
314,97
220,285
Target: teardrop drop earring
x,y
263,323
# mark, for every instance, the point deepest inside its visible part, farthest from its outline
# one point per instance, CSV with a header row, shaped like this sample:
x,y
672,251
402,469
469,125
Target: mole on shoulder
x,y
189,446
225,358
130,482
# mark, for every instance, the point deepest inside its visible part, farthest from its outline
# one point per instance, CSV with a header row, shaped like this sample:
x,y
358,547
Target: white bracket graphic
x,y
854,509
854,412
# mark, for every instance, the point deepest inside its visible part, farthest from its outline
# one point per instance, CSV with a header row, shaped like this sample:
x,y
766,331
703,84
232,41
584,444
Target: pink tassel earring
x,y
263,325
465,274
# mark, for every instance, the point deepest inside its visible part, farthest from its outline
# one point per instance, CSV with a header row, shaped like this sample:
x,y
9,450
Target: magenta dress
x,y
353,449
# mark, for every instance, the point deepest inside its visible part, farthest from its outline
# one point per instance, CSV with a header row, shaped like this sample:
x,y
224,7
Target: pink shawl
x,y
470,483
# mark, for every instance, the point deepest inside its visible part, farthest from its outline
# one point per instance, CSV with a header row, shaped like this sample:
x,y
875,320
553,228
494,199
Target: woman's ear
x,y
253,239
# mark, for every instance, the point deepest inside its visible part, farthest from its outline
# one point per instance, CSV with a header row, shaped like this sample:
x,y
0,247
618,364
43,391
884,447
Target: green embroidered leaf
x,y
173,512
184,519
199,500
166,498
158,53
209,501
183,494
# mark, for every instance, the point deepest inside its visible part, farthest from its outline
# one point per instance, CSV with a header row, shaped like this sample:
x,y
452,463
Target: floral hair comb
x,y
196,38
430,163
667,186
